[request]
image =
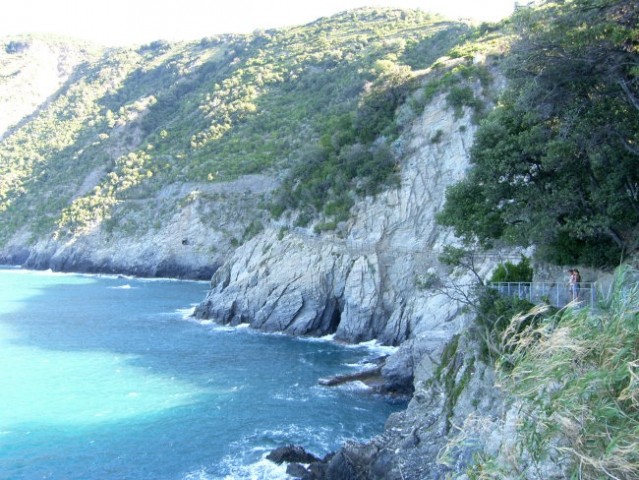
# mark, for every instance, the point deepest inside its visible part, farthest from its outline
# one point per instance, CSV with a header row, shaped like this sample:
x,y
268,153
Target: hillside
x,y
131,144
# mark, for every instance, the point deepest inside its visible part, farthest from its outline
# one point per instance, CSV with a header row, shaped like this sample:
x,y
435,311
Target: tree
x,y
556,164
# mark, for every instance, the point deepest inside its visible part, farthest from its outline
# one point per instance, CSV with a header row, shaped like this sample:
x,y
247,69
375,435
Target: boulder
x,y
291,454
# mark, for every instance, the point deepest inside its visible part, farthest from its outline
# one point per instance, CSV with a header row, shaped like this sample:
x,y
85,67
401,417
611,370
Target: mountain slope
x,y
128,161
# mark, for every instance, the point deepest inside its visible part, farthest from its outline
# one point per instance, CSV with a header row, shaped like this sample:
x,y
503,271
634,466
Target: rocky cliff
x,y
198,225
161,159
370,282
376,278
382,280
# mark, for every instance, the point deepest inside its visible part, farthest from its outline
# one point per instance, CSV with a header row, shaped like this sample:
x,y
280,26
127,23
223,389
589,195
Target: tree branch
x,y
633,99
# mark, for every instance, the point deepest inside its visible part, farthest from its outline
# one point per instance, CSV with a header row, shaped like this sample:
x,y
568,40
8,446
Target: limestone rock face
x,y
373,281
380,280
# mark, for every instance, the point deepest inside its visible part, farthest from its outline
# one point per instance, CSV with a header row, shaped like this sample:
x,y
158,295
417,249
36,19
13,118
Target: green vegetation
x,y
317,105
494,311
510,272
556,164
576,377
453,374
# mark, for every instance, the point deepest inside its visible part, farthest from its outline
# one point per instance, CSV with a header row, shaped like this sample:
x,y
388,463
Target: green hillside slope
x,y
127,123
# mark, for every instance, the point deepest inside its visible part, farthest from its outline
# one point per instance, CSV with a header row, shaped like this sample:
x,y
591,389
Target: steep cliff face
x,y
381,281
119,158
374,282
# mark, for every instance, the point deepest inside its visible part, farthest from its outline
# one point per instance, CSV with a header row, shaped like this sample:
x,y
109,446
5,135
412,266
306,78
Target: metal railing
x,y
557,294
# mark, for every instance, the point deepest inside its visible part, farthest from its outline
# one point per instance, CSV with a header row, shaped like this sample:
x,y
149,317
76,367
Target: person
x,y
574,283
571,280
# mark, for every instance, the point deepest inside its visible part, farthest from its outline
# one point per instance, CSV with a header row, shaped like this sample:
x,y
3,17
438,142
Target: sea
x,y
108,377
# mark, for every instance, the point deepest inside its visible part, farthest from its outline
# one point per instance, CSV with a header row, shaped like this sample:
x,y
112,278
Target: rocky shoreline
x,y
380,279
434,438
168,268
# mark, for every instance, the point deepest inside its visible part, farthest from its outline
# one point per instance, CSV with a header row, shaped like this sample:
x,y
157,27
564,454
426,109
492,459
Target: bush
x,y
494,314
509,272
459,97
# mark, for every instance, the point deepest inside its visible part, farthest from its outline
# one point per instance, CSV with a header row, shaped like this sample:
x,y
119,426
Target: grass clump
x,y
576,376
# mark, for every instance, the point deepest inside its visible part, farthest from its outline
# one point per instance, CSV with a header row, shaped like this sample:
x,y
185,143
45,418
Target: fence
x,y
552,293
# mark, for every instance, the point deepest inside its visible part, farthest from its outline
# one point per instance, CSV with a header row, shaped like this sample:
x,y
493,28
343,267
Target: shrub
x,y
509,272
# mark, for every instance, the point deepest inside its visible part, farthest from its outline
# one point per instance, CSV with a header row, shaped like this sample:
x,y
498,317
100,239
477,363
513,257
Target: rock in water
x,y
291,454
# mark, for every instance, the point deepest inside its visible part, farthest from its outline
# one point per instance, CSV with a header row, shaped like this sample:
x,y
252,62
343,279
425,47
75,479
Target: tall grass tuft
x,y
577,377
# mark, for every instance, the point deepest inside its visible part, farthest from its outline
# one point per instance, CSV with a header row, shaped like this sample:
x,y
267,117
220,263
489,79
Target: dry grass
x,y
577,377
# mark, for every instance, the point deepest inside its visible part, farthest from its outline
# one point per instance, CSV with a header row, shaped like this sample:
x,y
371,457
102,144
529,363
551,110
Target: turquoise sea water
x,y
109,378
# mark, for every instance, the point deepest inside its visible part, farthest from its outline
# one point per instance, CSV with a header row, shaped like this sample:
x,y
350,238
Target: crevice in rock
x,y
336,317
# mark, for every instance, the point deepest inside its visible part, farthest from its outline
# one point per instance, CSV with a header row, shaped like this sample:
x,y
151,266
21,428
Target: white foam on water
x,y
373,345
219,328
326,338
187,313
294,393
263,469
376,347
121,287
355,386
363,365
200,474
50,273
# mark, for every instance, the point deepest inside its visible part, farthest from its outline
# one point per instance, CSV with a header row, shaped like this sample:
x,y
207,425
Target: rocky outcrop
x,y
368,283
291,454
380,280
455,413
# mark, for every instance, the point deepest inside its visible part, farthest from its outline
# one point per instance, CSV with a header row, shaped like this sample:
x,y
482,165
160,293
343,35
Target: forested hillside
x,y
315,108
236,154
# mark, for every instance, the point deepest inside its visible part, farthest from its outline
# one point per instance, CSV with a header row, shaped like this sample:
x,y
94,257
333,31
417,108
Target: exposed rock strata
x,y
455,413
367,285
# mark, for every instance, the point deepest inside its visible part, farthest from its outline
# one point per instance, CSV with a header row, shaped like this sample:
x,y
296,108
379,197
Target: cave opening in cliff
x,y
336,317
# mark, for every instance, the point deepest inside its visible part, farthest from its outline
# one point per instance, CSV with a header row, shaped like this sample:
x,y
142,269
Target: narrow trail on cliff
x,y
386,248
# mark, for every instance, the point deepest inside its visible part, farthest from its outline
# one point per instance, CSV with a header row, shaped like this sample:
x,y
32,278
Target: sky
x,y
128,22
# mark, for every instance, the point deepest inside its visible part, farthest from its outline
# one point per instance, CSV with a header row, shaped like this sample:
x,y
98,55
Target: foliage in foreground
x,y
576,376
